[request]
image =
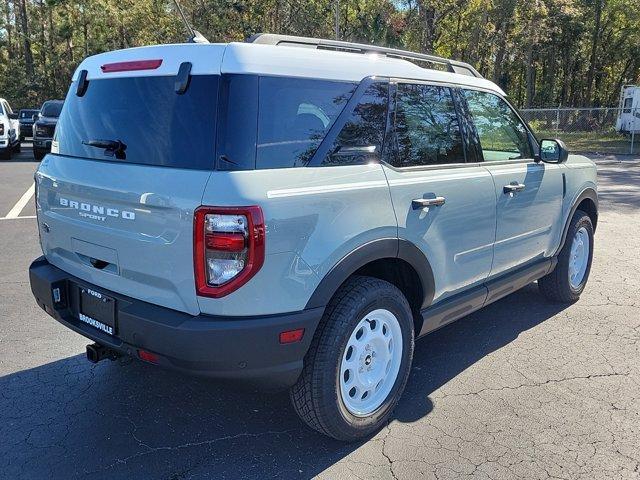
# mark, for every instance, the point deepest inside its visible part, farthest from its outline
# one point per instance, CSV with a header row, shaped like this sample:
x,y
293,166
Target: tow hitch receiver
x,y
97,352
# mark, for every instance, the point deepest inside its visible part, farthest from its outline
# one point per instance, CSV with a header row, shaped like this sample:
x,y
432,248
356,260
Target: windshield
x,y
142,120
51,109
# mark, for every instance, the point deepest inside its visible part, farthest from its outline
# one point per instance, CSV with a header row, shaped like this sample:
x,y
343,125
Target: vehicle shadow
x,y
71,419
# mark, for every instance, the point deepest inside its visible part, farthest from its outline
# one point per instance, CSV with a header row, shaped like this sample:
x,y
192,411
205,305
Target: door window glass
x,y
427,131
502,134
360,140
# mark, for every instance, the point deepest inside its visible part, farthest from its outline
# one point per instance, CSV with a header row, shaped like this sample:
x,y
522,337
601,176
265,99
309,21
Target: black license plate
x,y
97,310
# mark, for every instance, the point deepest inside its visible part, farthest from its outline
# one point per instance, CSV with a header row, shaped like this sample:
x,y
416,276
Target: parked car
x,y
351,201
44,127
9,126
27,118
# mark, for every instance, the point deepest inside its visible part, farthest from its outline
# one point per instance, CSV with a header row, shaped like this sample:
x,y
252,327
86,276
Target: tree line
x,y
543,53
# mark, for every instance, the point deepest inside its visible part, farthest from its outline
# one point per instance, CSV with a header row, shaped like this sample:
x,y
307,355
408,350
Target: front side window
x,y
426,127
361,138
294,117
502,134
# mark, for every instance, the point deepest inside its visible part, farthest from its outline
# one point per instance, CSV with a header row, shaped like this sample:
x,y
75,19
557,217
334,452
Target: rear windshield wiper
x,y
111,147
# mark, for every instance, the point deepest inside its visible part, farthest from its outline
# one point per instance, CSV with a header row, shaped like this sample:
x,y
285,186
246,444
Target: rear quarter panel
x,y
314,217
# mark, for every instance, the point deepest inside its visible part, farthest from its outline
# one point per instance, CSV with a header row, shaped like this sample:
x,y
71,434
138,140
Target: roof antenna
x,y
194,35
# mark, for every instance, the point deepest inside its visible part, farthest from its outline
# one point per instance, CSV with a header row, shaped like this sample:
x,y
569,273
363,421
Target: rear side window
x,y
294,117
361,138
426,130
157,125
627,104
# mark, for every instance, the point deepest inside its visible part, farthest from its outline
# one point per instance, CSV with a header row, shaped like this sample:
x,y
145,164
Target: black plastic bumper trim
x,y
245,348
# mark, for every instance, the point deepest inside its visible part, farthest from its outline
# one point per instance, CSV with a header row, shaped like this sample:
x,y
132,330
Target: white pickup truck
x,y
9,128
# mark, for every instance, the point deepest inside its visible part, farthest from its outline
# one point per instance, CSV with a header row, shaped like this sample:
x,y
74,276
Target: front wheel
x,y
359,361
567,281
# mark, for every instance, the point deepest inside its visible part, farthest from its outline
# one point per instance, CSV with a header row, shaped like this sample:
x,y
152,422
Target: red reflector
x,y
148,356
133,65
230,242
291,336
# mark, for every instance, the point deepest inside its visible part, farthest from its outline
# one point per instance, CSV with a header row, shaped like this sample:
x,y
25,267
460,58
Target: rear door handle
x,y
428,202
513,187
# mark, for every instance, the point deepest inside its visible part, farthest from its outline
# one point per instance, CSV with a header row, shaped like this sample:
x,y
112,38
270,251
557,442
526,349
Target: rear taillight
x,y
228,248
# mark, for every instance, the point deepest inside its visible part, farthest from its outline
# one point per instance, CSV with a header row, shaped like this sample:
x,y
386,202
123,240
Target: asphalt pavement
x,y
521,389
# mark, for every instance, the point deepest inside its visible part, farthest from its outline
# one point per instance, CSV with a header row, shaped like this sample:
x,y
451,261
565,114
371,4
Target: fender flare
x,y
587,193
369,252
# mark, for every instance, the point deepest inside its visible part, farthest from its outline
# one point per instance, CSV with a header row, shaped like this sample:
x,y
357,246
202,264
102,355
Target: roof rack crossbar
x,y
453,66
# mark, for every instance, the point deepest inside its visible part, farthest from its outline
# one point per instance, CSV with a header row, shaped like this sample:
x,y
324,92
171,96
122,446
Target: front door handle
x,y
428,202
513,187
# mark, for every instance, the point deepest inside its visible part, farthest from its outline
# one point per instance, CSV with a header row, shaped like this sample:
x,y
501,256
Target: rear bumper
x,y
245,348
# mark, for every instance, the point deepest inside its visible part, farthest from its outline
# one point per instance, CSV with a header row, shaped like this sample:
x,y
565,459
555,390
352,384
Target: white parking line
x,y
18,218
20,204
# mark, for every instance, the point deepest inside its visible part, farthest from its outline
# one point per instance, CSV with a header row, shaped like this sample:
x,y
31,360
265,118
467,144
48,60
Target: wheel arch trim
x,y
375,250
588,193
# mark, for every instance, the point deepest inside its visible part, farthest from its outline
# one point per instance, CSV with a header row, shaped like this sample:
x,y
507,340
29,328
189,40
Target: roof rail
x,y
452,66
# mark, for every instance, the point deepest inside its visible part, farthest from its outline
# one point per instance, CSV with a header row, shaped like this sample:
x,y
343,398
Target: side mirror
x,y
35,117
13,116
553,151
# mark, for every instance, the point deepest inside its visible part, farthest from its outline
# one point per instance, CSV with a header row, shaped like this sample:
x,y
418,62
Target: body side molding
x,y
464,303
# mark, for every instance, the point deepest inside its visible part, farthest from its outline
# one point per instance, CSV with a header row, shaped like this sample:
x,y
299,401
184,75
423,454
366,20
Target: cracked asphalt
x,y
520,389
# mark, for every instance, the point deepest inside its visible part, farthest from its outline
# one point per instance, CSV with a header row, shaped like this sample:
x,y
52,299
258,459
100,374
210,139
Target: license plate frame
x,y
97,310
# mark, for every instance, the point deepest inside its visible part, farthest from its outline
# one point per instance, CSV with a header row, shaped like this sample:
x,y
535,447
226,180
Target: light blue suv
x,y
298,216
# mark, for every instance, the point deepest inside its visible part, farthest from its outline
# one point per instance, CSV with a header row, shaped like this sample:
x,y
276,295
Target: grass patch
x,y
599,142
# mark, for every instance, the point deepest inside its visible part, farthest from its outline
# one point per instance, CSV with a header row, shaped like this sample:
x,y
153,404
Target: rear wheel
x,y
38,154
359,361
568,279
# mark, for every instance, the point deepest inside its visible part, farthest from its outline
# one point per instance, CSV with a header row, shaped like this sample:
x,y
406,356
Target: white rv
x,y
629,110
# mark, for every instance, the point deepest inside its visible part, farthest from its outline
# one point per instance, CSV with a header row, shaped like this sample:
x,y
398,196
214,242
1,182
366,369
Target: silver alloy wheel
x,y
371,362
579,257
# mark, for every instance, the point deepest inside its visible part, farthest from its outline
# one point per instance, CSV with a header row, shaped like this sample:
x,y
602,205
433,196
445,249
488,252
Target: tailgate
x,y
123,227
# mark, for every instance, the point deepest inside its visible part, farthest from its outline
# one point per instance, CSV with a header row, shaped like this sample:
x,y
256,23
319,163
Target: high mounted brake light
x,y
131,65
229,248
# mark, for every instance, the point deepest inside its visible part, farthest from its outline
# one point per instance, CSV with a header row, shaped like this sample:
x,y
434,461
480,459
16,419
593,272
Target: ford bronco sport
x,y
330,205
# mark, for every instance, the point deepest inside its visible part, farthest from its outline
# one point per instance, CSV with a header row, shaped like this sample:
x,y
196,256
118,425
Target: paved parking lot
x,y
520,389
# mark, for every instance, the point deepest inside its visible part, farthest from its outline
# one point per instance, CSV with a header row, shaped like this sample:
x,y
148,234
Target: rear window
x,y
156,125
294,117
27,113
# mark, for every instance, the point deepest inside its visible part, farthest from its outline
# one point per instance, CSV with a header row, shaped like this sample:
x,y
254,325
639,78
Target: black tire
x,y
38,155
17,148
6,154
316,396
556,285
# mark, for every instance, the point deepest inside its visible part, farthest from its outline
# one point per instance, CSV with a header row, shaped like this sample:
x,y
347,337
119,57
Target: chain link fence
x,y
607,130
